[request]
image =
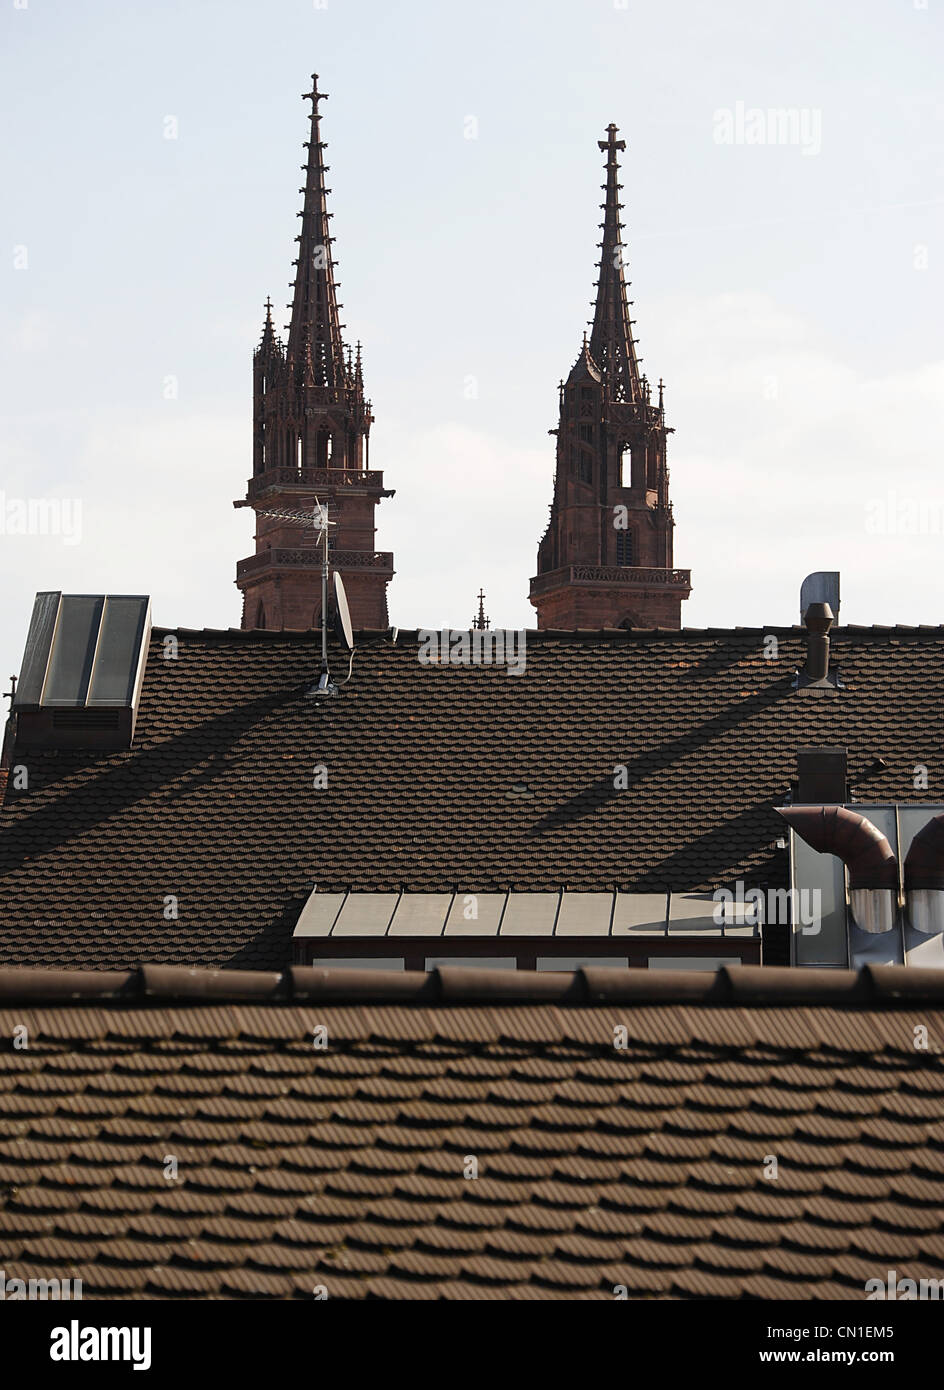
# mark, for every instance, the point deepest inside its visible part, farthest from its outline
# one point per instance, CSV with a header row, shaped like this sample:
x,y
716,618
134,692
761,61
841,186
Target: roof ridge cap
x,y
744,986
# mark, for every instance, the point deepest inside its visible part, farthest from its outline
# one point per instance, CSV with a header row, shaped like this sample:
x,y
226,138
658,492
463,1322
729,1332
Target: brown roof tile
x,y
346,1168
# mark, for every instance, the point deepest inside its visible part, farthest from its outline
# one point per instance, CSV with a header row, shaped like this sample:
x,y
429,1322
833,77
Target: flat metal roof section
x,y
473,962
487,908
581,962
573,916
530,914
585,914
359,963
691,962
640,914
421,914
692,914
366,914
319,914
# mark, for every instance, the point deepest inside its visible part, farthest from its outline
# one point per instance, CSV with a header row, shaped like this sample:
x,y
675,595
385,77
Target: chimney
x,y
821,777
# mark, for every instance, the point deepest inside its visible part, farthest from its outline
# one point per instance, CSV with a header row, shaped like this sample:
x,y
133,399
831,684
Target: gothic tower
x,y
311,423
606,556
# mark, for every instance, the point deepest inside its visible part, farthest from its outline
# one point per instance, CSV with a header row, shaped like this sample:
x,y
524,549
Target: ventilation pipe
x,y
869,858
819,619
924,878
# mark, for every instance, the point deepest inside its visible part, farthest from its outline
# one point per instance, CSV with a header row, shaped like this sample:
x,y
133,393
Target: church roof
x,y
644,1166
202,843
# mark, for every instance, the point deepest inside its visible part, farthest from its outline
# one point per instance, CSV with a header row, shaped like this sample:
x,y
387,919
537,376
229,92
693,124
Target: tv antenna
x,y
318,519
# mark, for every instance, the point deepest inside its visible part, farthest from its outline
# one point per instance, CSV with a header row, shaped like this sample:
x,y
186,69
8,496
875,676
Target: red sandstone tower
x,y
606,556
311,423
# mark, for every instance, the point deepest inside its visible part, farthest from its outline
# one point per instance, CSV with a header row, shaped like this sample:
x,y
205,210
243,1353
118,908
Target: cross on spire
x,y
480,623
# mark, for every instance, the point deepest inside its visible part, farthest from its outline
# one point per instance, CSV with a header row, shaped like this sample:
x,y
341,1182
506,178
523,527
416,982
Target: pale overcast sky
x,y
789,290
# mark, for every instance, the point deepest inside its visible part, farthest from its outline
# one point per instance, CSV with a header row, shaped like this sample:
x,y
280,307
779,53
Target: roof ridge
x,y
580,634
741,986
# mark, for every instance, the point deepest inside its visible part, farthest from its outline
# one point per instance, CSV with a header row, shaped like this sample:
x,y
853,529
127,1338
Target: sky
x,y
787,278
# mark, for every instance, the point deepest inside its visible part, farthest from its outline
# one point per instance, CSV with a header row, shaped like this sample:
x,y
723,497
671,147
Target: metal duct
x,y
863,849
924,878
866,853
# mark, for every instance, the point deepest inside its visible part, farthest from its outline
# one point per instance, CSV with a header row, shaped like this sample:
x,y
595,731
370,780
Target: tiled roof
x,y
438,778
347,1167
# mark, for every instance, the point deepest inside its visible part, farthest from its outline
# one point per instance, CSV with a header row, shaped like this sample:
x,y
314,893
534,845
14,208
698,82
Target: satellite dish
x,y
342,616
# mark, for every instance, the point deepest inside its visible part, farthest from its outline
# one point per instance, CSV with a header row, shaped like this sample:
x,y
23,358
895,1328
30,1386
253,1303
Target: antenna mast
x,y
318,518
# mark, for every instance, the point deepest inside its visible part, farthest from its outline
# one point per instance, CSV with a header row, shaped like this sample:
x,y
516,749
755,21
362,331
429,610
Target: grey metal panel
x,y
318,915
692,914
360,963
475,914
640,914
117,657
924,951
691,962
474,962
530,914
578,962
585,914
911,819
421,914
29,688
73,649
823,940
365,914
874,948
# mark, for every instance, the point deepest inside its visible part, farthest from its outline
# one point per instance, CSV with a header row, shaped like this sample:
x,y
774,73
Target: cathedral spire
x,y
605,559
611,338
311,424
315,327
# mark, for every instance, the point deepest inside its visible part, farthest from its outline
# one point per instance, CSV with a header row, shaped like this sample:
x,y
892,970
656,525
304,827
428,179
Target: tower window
x,y
625,548
626,467
586,468
586,433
